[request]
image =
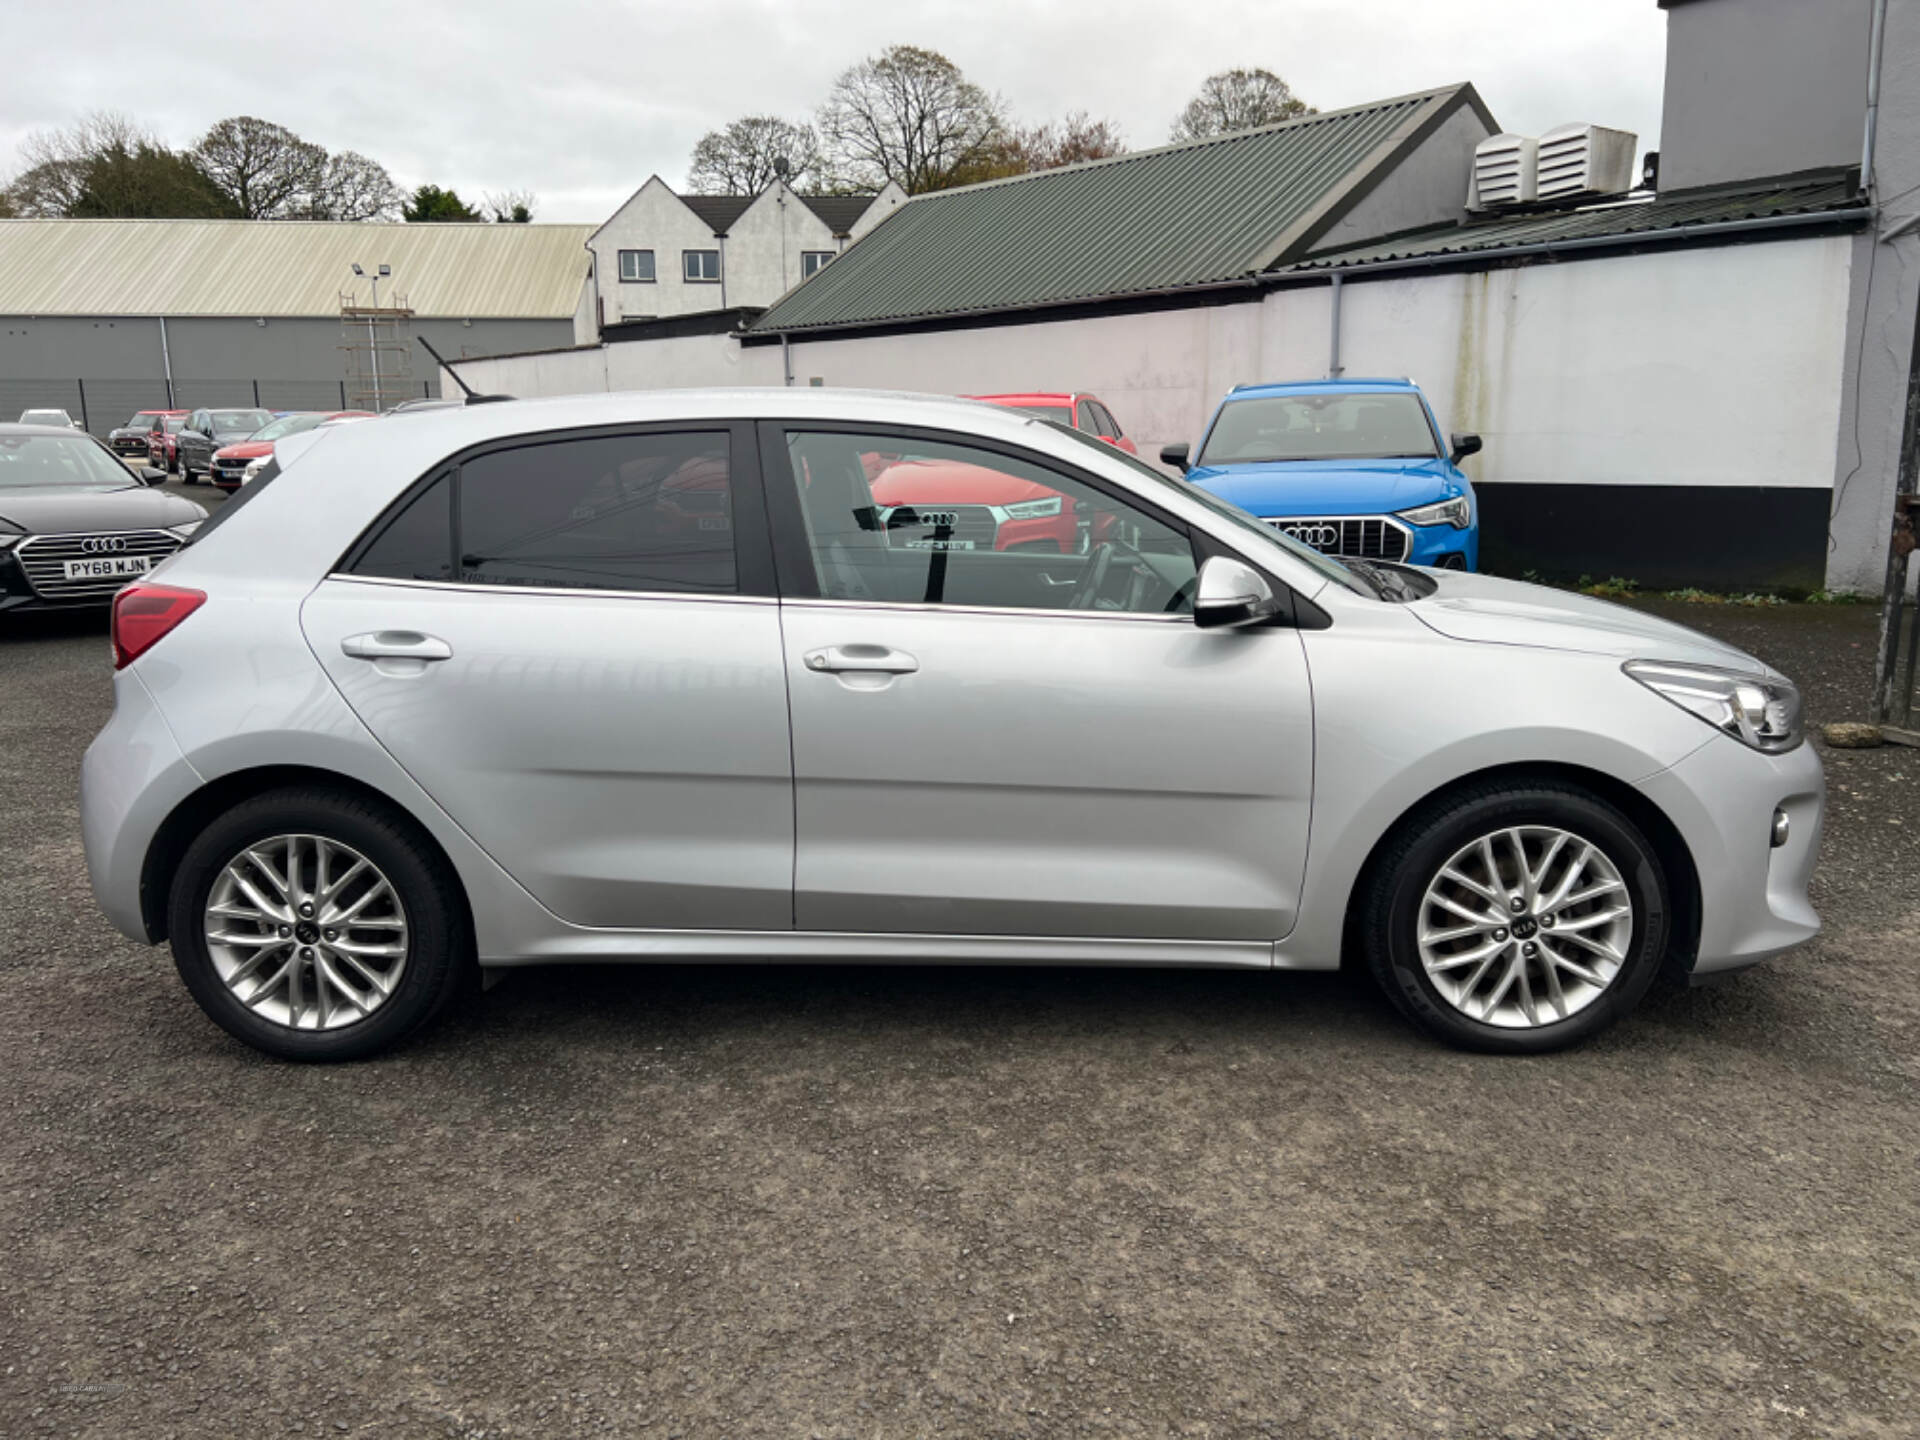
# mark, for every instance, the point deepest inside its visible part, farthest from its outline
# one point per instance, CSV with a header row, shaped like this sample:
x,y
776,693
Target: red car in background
x,y
228,468
134,437
162,447
991,509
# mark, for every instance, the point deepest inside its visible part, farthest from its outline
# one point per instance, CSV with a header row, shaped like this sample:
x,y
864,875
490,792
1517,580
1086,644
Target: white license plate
x,y
109,567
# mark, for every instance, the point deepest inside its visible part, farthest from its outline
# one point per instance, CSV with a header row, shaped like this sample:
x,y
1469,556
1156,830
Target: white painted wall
x,y
765,244
1684,367
654,219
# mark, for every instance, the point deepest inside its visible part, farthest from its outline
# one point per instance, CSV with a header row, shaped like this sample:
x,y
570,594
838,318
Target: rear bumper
x,y
1753,894
132,778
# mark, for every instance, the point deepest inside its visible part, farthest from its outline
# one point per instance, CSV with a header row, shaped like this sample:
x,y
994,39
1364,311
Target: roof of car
x,y
1319,387
13,428
1032,397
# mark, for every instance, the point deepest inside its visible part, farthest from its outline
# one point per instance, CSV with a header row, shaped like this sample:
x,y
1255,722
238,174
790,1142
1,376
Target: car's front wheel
x,y
316,926
1516,917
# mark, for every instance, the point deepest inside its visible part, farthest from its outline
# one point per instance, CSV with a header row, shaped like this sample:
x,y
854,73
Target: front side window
x,y
1364,425
701,266
636,267
812,260
1088,422
910,521
290,425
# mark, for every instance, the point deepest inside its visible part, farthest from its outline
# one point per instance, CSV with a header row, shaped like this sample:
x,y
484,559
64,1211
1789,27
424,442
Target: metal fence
x,y
101,404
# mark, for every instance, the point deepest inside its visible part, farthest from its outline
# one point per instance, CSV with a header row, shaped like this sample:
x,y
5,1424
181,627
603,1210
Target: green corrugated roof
x,y
1666,217
1183,216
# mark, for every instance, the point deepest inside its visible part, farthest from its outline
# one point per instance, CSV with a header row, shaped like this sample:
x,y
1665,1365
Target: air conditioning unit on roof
x,y
1503,172
1577,161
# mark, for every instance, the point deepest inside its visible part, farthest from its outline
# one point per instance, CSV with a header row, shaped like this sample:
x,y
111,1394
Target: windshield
x,y
227,421
142,420
1058,414
1306,554
55,460
289,425
173,423
1363,425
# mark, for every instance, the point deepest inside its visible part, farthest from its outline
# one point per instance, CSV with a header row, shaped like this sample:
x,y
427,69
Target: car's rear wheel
x,y
316,926
1516,917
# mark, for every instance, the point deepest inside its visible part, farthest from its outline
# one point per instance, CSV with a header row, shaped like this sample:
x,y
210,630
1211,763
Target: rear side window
x,y
417,543
624,512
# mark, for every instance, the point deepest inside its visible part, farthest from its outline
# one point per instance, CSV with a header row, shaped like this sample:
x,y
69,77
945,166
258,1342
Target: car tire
x,y
1414,919
435,942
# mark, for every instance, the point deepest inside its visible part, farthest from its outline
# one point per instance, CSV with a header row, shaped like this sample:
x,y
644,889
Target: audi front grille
x,y
44,558
1366,537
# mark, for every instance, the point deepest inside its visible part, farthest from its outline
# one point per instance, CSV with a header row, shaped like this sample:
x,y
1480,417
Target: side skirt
x,y
813,947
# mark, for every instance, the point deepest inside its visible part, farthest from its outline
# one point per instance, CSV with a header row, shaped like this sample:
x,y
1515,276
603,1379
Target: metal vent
x,y
1585,160
1504,171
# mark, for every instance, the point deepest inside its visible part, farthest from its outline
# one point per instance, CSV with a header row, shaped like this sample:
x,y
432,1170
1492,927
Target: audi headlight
x,y
1757,710
1457,512
185,528
1034,509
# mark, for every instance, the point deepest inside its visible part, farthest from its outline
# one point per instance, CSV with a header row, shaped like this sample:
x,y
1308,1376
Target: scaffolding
x,y
377,341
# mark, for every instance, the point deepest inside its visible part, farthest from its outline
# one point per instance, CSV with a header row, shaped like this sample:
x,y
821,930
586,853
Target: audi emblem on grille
x,y
1321,537
937,517
103,544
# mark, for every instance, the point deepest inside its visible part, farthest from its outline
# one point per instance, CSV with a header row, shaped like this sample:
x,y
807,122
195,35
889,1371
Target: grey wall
x,y
1762,87
298,363
1429,187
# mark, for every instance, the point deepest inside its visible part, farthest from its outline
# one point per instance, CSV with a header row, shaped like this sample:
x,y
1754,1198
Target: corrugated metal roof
x,y
286,267
1180,216
1664,217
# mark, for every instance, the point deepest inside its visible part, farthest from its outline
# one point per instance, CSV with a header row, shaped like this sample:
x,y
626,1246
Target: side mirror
x,y
1463,446
1232,592
1175,455
149,475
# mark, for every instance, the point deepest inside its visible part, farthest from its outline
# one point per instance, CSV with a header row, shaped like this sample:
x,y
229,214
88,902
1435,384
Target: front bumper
x,y
1753,894
1443,547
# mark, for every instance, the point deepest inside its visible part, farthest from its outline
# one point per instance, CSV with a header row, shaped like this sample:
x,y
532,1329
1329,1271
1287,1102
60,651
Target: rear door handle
x,y
396,645
861,659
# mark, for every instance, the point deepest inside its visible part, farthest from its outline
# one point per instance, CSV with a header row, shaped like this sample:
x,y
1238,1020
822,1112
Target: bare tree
x,y
1071,141
510,207
1238,100
267,171
57,161
745,157
910,116
352,186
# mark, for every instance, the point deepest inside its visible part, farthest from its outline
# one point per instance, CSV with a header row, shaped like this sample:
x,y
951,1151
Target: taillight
x,y
143,614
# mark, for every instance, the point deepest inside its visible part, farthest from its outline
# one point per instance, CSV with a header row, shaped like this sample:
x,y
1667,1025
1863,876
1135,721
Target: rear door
x,y
997,741
572,644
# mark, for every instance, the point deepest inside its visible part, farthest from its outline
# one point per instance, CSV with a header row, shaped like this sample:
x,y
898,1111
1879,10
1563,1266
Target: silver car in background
x,y
651,677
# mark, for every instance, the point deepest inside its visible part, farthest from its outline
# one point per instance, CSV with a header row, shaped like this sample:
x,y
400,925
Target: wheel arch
x,y
1676,860
192,815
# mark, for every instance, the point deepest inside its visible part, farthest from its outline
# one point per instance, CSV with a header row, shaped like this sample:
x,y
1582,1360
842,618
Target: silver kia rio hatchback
x,y
655,677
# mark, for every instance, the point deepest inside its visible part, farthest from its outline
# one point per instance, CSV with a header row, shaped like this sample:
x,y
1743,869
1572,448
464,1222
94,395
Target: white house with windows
x,y
663,254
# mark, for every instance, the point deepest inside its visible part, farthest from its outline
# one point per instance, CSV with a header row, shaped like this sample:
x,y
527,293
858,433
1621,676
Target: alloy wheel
x,y
306,932
1525,926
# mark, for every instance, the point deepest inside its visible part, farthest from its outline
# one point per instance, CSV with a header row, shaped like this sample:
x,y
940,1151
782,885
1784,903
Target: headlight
x,y
184,529
7,542
1756,710
1034,509
1457,512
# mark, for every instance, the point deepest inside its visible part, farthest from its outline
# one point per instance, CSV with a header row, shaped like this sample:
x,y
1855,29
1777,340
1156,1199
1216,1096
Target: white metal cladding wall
x,y
1683,368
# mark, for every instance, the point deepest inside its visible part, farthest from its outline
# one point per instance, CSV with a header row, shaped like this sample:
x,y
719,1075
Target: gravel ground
x,y
871,1203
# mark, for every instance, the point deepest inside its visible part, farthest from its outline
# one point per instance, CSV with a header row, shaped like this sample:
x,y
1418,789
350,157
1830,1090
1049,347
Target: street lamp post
x,y
373,345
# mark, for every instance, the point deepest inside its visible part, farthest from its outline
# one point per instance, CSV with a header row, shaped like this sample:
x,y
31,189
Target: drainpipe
x,y
786,360
723,272
1873,95
1333,359
166,360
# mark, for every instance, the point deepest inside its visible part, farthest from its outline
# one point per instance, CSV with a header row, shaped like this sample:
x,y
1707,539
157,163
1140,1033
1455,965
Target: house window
x,y
702,267
636,267
812,260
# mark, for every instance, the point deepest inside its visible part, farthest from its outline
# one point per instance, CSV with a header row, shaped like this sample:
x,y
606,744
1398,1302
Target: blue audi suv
x,y
1351,467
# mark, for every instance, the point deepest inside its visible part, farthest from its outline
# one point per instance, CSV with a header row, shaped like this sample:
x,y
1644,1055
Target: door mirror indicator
x,y
1463,446
1175,454
1232,592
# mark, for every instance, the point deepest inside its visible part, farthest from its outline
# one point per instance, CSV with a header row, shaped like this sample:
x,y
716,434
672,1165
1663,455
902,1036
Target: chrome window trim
x,y
468,587
923,606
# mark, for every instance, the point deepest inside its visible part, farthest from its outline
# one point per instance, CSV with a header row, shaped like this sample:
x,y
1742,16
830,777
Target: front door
x,y
1004,719
572,645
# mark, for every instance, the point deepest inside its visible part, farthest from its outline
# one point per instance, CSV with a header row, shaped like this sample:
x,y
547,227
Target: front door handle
x,y
861,659
396,645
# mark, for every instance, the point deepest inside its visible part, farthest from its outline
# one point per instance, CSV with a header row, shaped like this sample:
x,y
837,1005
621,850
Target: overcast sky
x,y
580,102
